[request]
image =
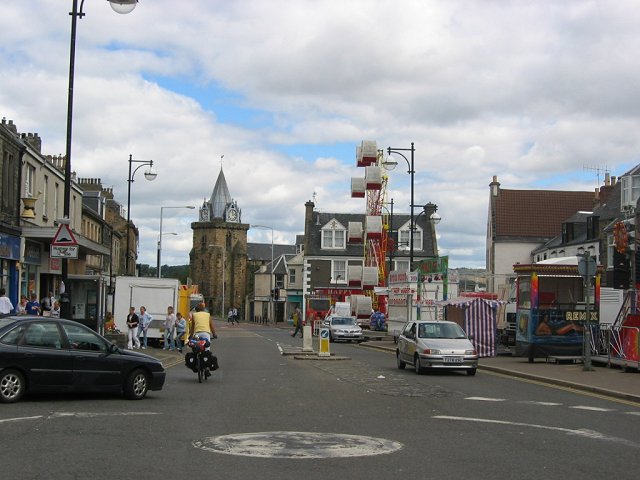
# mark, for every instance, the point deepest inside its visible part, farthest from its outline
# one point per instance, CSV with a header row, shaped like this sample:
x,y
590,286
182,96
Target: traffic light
x,y
276,293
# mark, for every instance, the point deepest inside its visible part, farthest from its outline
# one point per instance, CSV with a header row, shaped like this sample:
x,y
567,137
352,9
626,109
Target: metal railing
x,y
619,344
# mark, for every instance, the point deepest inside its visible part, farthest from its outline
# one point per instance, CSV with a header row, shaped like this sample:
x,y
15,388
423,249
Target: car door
x,y
94,368
407,342
42,353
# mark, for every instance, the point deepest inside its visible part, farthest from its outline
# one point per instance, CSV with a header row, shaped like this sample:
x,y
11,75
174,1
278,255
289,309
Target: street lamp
x,y
159,269
150,175
587,269
160,248
390,164
271,312
125,6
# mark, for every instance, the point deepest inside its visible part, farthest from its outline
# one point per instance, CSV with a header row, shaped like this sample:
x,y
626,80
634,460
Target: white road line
x,y
18,419
592,434
593,409
544,404
486,399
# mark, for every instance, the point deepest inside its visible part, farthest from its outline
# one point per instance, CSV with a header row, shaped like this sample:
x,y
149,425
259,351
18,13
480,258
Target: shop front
x,y
9,261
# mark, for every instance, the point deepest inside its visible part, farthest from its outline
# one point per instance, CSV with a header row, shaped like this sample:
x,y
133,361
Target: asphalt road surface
x,y
268,416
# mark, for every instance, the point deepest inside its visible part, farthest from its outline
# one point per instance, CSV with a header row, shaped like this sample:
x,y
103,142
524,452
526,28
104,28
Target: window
x,y
402,265
292,276
44,334
45,197
30,181
339,273
81,338
630,190
333,236
56,198
405,237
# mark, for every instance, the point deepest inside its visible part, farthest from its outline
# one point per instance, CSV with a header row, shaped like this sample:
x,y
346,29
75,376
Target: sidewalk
x,y
603,380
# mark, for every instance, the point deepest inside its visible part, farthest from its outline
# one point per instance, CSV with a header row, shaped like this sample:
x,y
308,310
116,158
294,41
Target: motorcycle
x,y
201,360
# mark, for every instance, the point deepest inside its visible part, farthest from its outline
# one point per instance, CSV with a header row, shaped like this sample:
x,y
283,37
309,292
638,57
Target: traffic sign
x,y
64,251
64,237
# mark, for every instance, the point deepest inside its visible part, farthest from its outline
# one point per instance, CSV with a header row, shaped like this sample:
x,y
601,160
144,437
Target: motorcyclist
x,y
202,327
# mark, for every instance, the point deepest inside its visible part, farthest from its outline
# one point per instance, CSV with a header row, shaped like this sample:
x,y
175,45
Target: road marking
x,y
544,404
486,399
562,387
592,434
18,419
78,415
297,445
593,409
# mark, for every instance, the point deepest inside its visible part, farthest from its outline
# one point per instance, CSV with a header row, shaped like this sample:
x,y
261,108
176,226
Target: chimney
x,y
495,187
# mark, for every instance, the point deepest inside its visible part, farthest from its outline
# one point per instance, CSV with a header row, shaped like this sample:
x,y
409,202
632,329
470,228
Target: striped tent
x,y
477,317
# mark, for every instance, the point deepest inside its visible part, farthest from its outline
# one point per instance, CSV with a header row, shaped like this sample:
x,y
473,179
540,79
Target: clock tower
x,y
219,255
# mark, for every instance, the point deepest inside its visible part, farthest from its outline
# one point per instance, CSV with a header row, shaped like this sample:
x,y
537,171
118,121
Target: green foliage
x,y
181,272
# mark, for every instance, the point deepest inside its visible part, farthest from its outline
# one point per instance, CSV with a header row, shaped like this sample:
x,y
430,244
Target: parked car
x,y
436,344
46,354
343,328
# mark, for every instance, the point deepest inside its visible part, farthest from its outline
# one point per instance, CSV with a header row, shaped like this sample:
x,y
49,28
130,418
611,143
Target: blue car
x,y
44,354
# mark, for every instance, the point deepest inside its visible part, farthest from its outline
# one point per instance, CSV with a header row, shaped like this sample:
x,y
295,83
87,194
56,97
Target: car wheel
x,y
471,372
399,362
137,385
416,364
12,386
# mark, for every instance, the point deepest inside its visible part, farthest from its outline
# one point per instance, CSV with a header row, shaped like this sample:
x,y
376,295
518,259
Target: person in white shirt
x,y
6,307
169,328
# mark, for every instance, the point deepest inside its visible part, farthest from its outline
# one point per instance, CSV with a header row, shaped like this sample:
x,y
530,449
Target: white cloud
x,y
530,91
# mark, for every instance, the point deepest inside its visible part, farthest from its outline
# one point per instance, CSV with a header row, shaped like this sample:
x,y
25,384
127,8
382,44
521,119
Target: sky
x,y
543,94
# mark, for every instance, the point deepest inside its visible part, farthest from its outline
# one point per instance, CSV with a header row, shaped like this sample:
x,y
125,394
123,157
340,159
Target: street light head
x,y
150,174
190,207
390,163
123,6
435,218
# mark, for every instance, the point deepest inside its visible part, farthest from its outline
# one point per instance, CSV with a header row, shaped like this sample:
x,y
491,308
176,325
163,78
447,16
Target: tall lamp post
x,y
120,6
390,164
271,311
587,269
159,269
159,249
150,175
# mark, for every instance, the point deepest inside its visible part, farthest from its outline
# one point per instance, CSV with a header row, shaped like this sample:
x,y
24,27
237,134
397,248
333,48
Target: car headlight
x,y
470,352
431,351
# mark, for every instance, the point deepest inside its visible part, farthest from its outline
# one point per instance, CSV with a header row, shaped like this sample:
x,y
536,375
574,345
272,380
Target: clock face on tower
x,y
232,215
204,214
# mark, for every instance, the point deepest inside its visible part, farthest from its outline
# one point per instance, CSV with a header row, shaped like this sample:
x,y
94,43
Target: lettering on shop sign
x,y
580,316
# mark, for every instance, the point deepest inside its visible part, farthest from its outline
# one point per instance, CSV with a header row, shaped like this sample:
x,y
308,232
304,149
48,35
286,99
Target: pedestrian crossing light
x,y
276,294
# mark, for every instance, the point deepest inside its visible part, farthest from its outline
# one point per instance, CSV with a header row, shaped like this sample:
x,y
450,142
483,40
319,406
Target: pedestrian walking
x,y
181,328
132,329
234,316
144,320
297,322
230,316
6,307
169,329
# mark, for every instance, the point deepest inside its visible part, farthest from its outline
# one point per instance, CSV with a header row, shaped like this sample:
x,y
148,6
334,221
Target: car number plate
x,y
452,359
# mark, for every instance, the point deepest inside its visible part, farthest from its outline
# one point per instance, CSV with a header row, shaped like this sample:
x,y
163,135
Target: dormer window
x,y
629,192
334,236
404,237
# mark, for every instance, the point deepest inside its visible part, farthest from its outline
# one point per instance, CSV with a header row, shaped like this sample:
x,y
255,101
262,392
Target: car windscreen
x,y
440,330
343,321
6,321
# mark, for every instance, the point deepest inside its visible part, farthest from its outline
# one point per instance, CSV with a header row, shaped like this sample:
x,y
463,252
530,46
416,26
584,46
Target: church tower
x,y
219,255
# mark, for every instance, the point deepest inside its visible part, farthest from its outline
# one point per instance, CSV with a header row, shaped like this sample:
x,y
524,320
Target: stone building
x,y
218,259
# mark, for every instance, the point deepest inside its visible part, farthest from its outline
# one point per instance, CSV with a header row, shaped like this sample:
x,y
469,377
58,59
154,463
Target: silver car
x,y
344,328
436,344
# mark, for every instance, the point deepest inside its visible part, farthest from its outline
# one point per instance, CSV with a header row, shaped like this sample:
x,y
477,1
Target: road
x,y
263,415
